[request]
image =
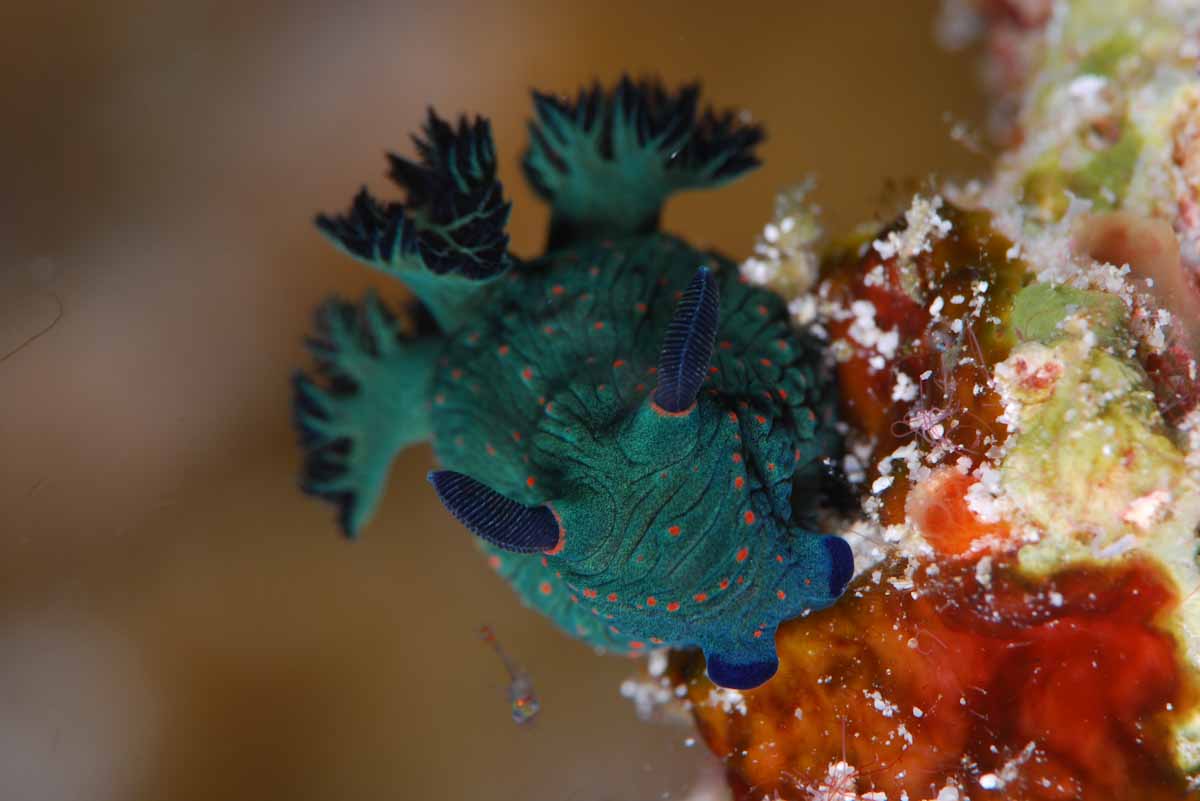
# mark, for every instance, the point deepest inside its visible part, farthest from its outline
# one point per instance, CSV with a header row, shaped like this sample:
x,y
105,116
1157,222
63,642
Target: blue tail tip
x,y
740,675
841,564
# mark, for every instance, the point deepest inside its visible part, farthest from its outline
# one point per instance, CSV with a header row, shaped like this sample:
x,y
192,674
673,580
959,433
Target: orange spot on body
x,y
741,557
598,325
612,597
724,584
651,601
503,350
757,634
636,645
589,593
737,458
674,531
618,363
558,289
700,597
739,482
527,373
673,606
494,562
530,481
781,594
544,588
749,518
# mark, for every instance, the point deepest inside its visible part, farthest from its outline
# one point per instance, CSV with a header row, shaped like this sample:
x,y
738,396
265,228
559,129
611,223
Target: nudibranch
x,y
638,438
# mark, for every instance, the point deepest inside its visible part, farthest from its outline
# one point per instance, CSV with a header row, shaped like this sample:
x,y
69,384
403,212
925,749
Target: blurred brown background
x,y
176,621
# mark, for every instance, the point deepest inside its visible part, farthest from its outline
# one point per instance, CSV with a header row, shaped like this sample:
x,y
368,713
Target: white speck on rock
x,y
882,705
727,700
905,389
1144,511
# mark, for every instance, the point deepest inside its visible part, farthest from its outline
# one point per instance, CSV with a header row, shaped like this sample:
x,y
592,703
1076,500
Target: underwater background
x,y
176,619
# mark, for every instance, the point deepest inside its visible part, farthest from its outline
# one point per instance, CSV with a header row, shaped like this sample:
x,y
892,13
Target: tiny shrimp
x,y
841,779
525,704
925,419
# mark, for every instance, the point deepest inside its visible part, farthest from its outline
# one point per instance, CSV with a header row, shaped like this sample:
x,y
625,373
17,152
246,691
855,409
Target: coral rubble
x,y
1018,391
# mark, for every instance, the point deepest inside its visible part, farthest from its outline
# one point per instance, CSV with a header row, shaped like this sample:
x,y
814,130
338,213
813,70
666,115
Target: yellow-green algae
x,y
1093,473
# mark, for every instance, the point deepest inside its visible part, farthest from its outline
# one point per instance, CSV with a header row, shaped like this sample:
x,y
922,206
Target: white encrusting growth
x,y
727,700
785,257
924,226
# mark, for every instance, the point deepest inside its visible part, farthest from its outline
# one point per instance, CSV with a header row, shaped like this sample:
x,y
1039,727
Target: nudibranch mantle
x,y
636,435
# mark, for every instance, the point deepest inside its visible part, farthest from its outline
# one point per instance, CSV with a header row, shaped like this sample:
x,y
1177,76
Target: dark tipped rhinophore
x,y
492,517
688,345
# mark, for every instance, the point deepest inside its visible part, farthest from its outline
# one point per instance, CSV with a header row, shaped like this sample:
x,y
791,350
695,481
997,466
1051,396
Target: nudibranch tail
x,y
374,405
450,233
841,564
688,345
607,161
746,668
821,566
494,518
